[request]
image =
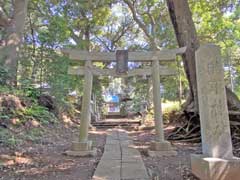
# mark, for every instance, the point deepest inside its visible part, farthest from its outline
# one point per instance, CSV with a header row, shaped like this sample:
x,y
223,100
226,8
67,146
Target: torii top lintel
x,y
161,55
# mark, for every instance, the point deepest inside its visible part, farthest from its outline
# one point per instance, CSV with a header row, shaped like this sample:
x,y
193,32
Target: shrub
x,y
40,113
7,138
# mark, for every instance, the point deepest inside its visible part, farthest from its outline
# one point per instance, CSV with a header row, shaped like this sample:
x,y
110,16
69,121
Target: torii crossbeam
x,y
83,147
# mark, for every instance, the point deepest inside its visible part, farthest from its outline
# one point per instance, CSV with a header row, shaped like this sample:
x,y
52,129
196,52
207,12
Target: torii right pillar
x,y
159,147
216,161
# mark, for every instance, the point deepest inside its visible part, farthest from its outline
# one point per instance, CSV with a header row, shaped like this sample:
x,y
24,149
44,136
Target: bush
x,y
4,75
34,135
40,113
7,138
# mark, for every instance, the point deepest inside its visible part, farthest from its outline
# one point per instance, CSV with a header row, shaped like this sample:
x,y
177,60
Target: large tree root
x,y
190,130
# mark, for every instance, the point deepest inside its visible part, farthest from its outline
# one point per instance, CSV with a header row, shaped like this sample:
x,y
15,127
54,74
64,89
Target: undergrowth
x,y
21,117
170,109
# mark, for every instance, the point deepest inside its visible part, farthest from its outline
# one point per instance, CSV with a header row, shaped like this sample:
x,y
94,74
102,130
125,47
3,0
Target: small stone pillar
x,y
159,146
217,161
83,147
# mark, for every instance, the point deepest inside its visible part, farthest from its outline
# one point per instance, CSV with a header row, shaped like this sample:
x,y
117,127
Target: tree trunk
x,y
14,31
186,35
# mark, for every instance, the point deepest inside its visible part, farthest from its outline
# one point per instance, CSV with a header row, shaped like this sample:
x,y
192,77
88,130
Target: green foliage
x,y
11,139
32,92
104,26
217,21
32,110
4,75
34,135
40,113
7,138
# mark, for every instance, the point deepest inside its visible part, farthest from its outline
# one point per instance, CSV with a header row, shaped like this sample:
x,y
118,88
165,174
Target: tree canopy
x,y
105,26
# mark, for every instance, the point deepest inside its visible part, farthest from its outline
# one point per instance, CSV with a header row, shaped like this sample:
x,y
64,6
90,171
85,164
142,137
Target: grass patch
x,y
7,138
169,106
41,114
170,109
34,135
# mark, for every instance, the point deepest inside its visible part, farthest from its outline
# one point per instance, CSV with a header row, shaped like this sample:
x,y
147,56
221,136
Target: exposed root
x,y
190,130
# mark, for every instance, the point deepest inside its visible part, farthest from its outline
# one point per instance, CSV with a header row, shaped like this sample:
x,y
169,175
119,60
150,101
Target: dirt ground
x,y
47,161
166,168
171,167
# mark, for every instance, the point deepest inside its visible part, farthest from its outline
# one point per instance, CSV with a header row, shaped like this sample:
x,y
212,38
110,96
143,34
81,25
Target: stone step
x,y
116,124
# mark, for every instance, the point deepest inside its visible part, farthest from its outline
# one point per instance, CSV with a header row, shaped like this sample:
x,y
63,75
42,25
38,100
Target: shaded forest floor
x,y
171,167
45,159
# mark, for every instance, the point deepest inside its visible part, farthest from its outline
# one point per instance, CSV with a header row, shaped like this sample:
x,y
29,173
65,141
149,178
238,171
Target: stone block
x,y
162,153
81,149
209,168
81,146
126,143
132,170
108,169
161,146
213,110
112,147
92,152
112,141
111,155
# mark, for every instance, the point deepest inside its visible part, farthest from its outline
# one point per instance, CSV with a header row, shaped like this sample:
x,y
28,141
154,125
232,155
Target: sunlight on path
x,y
120,160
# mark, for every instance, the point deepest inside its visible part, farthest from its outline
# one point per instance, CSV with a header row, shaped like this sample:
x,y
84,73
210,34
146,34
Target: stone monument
x,y
217,161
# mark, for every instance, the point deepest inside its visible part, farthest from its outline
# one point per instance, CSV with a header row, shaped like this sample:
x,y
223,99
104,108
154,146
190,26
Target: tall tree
x,y
13,27
186,35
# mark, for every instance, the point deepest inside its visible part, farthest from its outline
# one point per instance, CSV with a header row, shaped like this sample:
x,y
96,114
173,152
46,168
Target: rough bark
x,y
13,39
186,35
232,100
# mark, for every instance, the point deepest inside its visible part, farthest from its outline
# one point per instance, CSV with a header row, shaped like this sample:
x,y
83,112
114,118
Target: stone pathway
x,y
120,160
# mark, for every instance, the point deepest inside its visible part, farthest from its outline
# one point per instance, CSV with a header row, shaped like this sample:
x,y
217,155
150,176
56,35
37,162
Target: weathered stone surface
x,y
215,168
108,170
92,152
112,141
215,128
85,111
130,151
81,146
217,161
112,147
122,61
114,153
133,170
161,146
120,160
126,143
162,153
158,120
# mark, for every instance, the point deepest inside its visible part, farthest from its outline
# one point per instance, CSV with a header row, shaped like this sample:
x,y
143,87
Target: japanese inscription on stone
x,y
215,128
122,61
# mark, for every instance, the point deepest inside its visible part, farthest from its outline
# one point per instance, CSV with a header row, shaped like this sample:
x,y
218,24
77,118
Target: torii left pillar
x,y
83,147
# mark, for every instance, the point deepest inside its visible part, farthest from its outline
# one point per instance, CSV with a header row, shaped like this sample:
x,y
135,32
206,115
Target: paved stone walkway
x,y
120,161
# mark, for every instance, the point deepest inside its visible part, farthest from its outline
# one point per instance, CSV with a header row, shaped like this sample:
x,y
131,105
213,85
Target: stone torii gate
x,y
83,146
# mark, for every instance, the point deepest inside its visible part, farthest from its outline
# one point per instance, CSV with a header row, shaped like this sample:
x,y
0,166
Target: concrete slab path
x,y
120,160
